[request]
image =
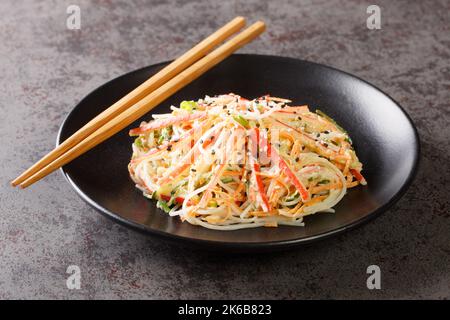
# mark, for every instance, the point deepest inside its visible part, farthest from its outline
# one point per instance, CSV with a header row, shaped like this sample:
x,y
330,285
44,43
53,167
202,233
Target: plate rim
x,y
276,244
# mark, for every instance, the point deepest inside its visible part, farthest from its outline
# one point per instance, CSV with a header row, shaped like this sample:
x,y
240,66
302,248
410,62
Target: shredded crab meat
x,y
228,163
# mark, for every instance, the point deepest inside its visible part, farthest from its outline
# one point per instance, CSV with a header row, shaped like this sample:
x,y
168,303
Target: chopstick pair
x,y
144,98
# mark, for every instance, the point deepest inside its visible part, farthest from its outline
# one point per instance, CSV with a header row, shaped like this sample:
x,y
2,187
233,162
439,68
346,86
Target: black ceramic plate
x,y
384,137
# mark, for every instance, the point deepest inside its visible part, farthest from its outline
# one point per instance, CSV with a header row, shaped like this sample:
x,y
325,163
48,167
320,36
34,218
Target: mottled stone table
x,y
45,69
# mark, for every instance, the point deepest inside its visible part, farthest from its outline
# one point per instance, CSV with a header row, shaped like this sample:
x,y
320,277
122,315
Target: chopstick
x,y
149,102
167,73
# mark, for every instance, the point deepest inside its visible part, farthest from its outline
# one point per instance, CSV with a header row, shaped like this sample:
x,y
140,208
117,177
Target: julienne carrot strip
x,y
346,167
232,173
280,182
315,200
268,97
207,142
275,196
325,187
238,189
352,184
287,136
297,208
260,186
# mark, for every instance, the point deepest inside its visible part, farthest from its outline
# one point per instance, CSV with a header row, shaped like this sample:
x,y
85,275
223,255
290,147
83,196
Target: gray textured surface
x,y
45,69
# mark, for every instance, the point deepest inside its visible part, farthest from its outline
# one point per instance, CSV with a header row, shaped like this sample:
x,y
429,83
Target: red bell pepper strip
x,y
166,198
358,176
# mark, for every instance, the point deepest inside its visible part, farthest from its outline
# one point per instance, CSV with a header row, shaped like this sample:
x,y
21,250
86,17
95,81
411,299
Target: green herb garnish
x,y
165,134
293,196
213,204
188,105
227,180
242,121
163,206
138,143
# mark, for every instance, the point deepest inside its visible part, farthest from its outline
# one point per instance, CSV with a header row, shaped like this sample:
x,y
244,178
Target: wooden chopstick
x,y
149,102
174,68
